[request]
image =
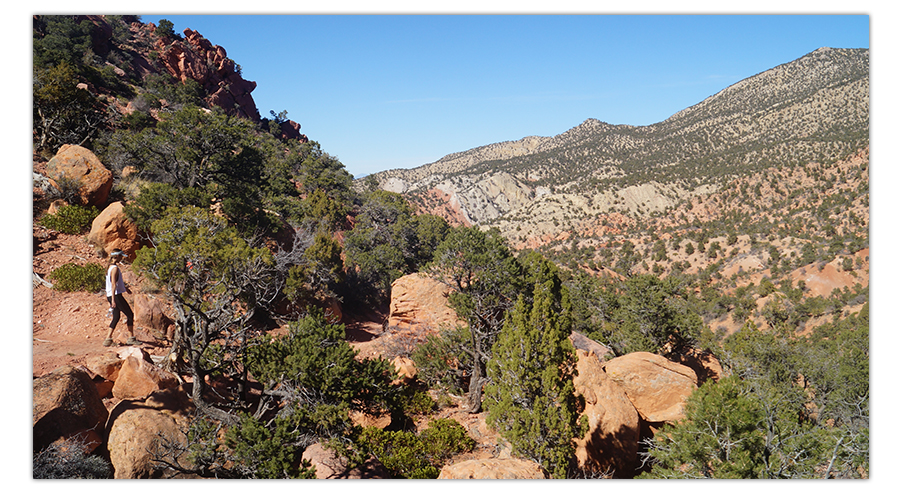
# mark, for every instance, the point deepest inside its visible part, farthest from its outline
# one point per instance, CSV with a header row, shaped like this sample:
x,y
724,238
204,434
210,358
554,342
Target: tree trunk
x,y
476,382
476,385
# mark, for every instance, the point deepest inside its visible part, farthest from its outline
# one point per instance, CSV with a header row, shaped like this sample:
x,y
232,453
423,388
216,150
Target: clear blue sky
x,y
399,91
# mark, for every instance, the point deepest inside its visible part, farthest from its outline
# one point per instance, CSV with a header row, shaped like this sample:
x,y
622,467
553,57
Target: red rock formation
x,y
331,466
137,427
195,58
610,444
139,377
704,364
149,313
419,304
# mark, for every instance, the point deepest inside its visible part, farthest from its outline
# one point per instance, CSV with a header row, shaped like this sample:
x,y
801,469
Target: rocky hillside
x,y
815,108
138,69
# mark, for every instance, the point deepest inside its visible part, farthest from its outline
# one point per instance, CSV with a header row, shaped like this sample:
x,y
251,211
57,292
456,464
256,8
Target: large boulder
x,y
66,405
494,468
405,370
330,465
138,429
420,304
149,312
80,165
112,229
656,386
610,445
139,377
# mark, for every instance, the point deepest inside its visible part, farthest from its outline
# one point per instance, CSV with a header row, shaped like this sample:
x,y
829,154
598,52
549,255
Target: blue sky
x,y
399,91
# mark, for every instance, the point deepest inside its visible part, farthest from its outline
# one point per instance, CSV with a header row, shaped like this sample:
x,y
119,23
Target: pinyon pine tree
x,y
530,398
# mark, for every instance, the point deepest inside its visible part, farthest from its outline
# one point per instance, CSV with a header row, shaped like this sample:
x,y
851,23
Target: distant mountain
x,y
815,108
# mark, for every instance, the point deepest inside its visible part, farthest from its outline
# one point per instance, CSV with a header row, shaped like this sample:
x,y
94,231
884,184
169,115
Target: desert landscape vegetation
x,y
688,299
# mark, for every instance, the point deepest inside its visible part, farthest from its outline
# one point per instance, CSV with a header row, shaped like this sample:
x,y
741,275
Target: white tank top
x,y
120,283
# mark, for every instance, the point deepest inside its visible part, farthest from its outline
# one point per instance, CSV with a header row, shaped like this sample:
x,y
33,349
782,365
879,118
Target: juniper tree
x,y
530,398
216,282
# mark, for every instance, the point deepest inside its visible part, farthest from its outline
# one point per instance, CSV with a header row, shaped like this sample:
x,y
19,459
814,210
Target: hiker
x,y
115,287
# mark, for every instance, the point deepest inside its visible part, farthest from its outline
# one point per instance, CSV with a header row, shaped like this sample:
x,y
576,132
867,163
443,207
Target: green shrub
x,y
416,402
410,456
444,438
74,277
441,361
71,219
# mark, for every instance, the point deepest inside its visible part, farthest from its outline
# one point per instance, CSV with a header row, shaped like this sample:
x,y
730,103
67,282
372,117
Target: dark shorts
x,y
120,308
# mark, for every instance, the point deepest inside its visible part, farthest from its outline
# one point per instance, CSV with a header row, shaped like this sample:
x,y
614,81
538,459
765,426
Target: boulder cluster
x,y
68,406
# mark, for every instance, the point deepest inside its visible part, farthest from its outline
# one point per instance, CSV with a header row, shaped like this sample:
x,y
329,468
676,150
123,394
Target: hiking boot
x,y
133,341
107,342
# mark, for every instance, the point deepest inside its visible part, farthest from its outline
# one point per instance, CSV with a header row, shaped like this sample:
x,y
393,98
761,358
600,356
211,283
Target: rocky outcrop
x,y
494,468
419,304
137,430
112,229
78,165
195,58
656,386
610,444
66,405
105,368
405,369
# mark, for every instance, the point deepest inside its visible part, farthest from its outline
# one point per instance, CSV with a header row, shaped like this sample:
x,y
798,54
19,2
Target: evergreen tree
x,y
530,398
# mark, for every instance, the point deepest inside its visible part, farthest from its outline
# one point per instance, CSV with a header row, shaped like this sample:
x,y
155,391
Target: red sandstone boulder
x,y
149,312
494,468
656,386
66,405
610,444
105,368
55,205
80,165
419,304
139,377
112,229
137,428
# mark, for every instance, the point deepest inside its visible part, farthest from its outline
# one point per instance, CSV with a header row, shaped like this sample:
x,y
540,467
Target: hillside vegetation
x,y
737,228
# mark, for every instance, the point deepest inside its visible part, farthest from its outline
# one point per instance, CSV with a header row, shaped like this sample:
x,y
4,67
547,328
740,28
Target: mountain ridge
x,y
813,108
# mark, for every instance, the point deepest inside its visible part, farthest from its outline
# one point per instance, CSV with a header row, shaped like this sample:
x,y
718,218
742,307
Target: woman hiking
x,y
115,287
